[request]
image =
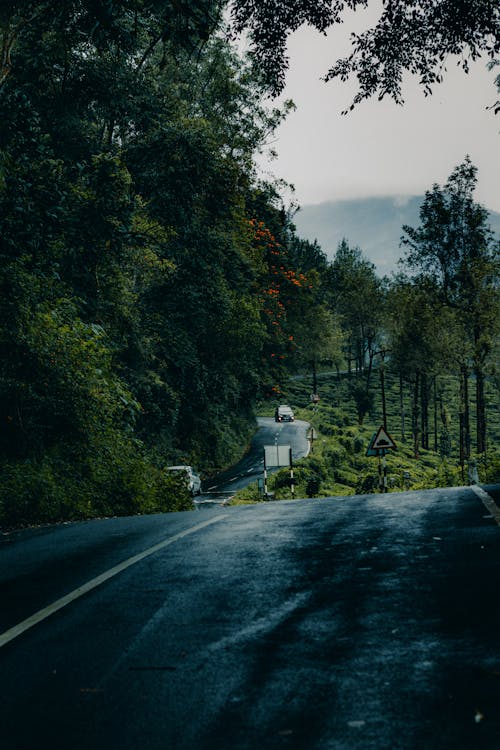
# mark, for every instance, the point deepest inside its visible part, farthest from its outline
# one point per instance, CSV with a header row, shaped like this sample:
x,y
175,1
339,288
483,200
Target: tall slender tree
x,y
455,249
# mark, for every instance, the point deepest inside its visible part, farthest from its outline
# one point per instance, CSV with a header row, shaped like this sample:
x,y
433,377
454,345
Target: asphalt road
x,y
220,489
368,622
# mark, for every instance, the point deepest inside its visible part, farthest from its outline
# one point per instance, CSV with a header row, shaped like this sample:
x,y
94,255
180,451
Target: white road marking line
x,y
42,614
487,501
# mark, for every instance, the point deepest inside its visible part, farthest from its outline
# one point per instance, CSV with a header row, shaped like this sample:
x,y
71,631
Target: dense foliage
x,y
153,290
137,255
457,262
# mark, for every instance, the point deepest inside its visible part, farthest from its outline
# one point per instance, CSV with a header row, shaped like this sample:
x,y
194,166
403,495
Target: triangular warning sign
x,y
382,441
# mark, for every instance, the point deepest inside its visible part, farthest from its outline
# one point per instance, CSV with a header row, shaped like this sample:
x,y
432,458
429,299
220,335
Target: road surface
x,y
367,622
221,488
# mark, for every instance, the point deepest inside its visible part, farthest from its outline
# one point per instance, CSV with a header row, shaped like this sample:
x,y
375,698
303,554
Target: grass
x,y
338,465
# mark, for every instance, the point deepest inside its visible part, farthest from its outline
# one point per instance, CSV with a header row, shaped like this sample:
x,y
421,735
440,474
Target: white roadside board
x,y
277,455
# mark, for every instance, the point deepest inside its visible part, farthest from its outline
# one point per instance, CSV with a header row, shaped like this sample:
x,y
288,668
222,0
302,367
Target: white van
x,y
192,478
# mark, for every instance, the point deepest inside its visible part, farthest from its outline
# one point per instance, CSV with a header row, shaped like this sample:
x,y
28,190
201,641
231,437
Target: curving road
x,y
220,489
360,623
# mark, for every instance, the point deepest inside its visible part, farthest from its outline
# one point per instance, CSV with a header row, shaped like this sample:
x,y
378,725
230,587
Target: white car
x,y
192,478
283,413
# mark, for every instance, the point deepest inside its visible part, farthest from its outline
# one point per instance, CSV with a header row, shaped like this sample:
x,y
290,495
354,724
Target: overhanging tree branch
x,y
415,36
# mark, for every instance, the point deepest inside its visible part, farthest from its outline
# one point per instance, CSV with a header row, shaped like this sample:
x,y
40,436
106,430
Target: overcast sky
x,y
381,148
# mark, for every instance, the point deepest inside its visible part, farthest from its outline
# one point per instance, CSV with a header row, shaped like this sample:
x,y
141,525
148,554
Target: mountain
x,y
374,224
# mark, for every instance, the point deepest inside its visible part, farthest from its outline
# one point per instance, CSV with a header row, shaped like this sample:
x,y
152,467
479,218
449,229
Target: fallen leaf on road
x,y
478,717
356,724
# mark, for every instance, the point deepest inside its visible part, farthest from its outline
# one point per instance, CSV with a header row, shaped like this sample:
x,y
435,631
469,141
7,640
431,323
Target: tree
x,y
411,35
191,156
356,296
139,27
132,324
496,105
418,355
455,250
318,339
318,334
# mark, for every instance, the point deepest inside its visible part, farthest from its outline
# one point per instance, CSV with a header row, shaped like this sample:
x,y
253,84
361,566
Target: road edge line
x,y
487,501
16,630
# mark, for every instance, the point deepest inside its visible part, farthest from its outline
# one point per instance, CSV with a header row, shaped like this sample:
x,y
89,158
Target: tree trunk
x,y
402,408
424,397
435,399
481,411
415,415
464,418
462,440
370,368
382,388
315,379
359,359
466,413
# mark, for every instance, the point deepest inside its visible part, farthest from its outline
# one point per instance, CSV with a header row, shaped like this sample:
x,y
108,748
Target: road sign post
x,y
276,456
311,435
380,443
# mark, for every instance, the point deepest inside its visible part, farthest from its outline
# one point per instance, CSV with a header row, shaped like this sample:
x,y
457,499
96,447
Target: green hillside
x,y
338,465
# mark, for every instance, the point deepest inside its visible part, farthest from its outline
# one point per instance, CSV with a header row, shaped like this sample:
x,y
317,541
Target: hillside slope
x,y
375,224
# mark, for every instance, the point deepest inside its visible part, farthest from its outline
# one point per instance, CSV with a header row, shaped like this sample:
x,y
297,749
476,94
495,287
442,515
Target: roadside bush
x,y
346,476
335,456
313,484
489,467
367,484
282,477
171,493
41,492
336,489
327,429
114,477
126,482
447,475
359,444
317,466
347,442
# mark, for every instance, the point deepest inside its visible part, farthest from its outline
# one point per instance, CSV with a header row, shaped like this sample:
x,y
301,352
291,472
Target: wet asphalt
x,y
221,488
370,622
